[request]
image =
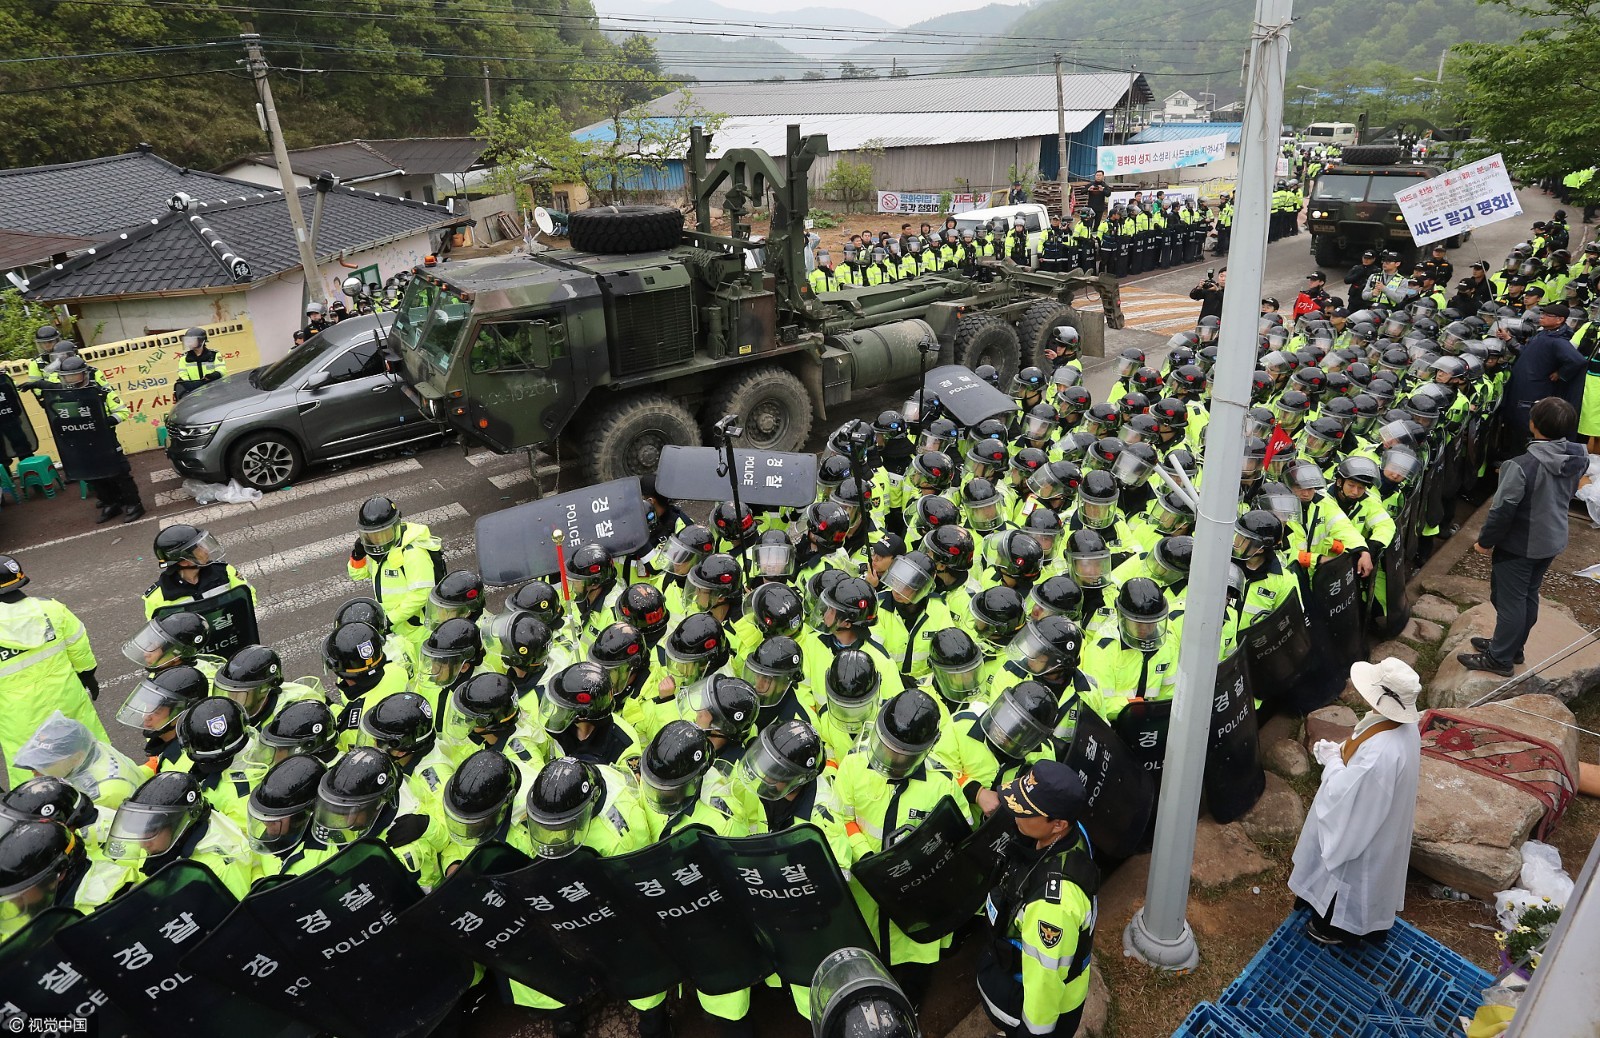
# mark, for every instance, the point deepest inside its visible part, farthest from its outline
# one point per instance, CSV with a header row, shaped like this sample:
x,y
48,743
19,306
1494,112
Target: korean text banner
x,y
1123,159
922,202
1475,195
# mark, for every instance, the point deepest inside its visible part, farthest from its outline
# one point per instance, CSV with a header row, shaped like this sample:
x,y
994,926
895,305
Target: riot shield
x,y
86,441
470,916
39,982
968,398
675,882
1476,446
1234,780
1121,793
1142,727
133,946
1450,464
1276,649
231,615
324,948
794,895
514,543
595,923
935,878
17,436
1338,631
766,478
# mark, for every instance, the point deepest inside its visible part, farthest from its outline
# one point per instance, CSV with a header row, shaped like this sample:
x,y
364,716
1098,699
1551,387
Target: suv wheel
x,y
267,461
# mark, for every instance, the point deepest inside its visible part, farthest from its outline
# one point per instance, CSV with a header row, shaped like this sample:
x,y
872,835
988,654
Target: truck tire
x,y
1371,155
616,230
1038,326
982,339
627,437
1327,250
772,406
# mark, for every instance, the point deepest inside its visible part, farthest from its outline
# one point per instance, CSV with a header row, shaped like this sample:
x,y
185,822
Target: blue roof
x,y
1165,133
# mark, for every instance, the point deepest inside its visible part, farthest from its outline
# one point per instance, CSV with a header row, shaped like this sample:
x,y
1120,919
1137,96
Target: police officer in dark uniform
x,y
117,493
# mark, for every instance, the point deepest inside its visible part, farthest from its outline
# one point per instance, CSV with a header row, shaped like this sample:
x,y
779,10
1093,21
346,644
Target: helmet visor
x,y
1091,569
140,830
957,683
851,713
472,829
1011,731
1400,466
1170,520
151,648
1131,470
339,822
774,777
556,716
556,838
380,541
773,560
908,581
21,901
1145,633
149,708
271,831
202,551
983,516
680,556
437,610
1245,546
770,688
1033,654
891,757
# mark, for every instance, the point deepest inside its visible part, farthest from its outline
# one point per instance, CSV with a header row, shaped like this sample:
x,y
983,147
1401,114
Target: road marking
x,y
341,587
506,480
339,545
163,475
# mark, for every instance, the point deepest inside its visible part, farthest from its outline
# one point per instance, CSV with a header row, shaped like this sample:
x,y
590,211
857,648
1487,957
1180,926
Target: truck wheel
x,y
626,439
772,407
615,230
981,339
1371,155
1327,250
1038,326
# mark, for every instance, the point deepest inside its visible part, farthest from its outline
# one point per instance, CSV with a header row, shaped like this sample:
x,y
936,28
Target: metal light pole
x,y
1159,933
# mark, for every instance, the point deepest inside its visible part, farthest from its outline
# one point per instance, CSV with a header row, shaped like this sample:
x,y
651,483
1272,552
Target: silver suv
x,y
329,399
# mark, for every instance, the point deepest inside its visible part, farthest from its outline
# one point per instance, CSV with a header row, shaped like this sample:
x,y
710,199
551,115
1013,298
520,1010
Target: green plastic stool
x,y
39,471
8,488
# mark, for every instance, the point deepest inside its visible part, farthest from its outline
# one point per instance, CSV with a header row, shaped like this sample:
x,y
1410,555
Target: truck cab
x,y
1352,205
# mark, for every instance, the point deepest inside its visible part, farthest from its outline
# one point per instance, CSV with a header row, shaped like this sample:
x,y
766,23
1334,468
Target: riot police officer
x,y
198,365
41,865
403,561
196,575
83,416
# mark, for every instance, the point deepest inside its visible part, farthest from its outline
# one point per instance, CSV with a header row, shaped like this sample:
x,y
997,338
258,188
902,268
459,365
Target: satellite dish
x,y
541,217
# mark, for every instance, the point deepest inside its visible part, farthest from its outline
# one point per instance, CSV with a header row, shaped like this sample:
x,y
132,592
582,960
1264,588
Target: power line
x,y
114,82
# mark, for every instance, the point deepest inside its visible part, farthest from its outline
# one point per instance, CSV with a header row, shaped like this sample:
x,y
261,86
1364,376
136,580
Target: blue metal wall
x,y
1082,149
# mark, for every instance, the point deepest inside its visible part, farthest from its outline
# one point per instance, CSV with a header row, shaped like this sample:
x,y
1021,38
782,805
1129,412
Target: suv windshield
x,y
430,320
276,375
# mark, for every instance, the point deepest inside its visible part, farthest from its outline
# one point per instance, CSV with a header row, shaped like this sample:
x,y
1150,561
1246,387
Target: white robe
x,y
1356,843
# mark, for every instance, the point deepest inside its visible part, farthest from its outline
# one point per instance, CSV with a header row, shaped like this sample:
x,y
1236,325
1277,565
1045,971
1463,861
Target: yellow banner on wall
x,y
142,372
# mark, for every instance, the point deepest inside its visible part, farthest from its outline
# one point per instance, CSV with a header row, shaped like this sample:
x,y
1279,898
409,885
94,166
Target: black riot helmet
x,y
479,796
687,547
832,471
1256,533
1058,595
1021,719
166,640
590,565
997,614
1089,558
828,523
182,543
783,759
672,765
484,704
450,649
281,804
378,525
212,730
562,799
542,600
154,705
955,660
11,576
250,678
644,606
1015,554
722,705
304,727
950,547
852,601
399,724
775,609
1141,613
904,734
363,610
716,579
46,798
155,817
352,649
35,858
853,996
1046,646
772,668
731,526
458,594
580,692
695,648
352,794
526,644
850,688
1170,559
620,649
931,470
934,510
1044,526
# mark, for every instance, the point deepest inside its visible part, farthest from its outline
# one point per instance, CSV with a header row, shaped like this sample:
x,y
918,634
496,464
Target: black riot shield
x,y
1396,595
324,948
1121,793
17,437
1477,441
968,398
514,543
766,478
675,882
596,924
231,615
133,948
935,878
1451,463
791,889
469,915
1338,631
1142,727
41,982
1276,649
86,441
1234,780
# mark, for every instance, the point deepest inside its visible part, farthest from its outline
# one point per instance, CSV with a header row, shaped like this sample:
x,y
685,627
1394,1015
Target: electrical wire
x,y
114,82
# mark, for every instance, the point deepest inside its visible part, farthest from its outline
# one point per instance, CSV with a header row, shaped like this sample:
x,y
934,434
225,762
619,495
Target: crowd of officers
x,y
929,629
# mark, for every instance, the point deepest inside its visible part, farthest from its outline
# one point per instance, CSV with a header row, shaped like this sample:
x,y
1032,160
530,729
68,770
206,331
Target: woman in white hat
x,y
1350,863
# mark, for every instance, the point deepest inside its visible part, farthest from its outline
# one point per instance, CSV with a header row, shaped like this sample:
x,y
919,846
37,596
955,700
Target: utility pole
x,y
1160,934
488,98
259,68
1061,136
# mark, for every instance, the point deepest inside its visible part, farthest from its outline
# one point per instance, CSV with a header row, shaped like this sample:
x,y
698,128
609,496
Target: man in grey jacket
x,y
1525,531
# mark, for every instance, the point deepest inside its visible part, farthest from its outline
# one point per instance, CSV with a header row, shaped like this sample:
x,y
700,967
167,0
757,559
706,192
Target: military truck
x,y
645,333
1352,204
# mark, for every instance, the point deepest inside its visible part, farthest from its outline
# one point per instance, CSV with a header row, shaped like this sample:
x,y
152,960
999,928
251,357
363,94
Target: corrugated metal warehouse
x,y
935,133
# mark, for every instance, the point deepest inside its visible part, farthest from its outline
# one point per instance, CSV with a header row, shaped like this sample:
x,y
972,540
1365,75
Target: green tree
x,y
850,180
850,70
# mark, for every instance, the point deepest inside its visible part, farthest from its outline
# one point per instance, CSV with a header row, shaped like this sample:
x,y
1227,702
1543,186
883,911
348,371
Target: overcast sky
x,y
898,12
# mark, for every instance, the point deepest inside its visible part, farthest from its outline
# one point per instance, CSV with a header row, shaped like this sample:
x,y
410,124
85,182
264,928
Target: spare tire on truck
x,y
622,229
1370,155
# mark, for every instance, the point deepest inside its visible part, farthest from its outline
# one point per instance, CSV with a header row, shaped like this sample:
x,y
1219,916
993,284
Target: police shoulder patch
x,y
1049,934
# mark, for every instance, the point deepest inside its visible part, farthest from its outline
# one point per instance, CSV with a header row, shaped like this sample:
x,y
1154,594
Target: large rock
x,y
1278,815
1287,758
1555,635
1398,649
1334,723
1439,610
1421,632
1474,869
1543,717
1223,853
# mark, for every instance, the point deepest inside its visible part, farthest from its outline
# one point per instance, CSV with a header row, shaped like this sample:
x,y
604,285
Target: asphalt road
x,y
293,544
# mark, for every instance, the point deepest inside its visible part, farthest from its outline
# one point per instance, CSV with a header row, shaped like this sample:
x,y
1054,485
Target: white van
x,y
1034,216
1342,134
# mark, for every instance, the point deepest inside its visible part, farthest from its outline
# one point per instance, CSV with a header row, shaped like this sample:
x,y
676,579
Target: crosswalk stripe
x,y
295,557
506,480
340,587
163,475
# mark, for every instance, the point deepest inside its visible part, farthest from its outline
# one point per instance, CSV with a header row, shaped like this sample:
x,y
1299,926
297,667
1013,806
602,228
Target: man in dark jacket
x,y
1210,293
1549,365
1526,530
1356,277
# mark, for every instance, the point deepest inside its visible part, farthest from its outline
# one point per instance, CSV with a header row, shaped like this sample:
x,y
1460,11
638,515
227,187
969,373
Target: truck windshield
x,y
1384,187
430,320
1342,187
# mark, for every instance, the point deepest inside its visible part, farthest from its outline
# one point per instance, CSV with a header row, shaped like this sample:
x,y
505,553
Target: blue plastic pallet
x,y
1408,986
1207,1020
